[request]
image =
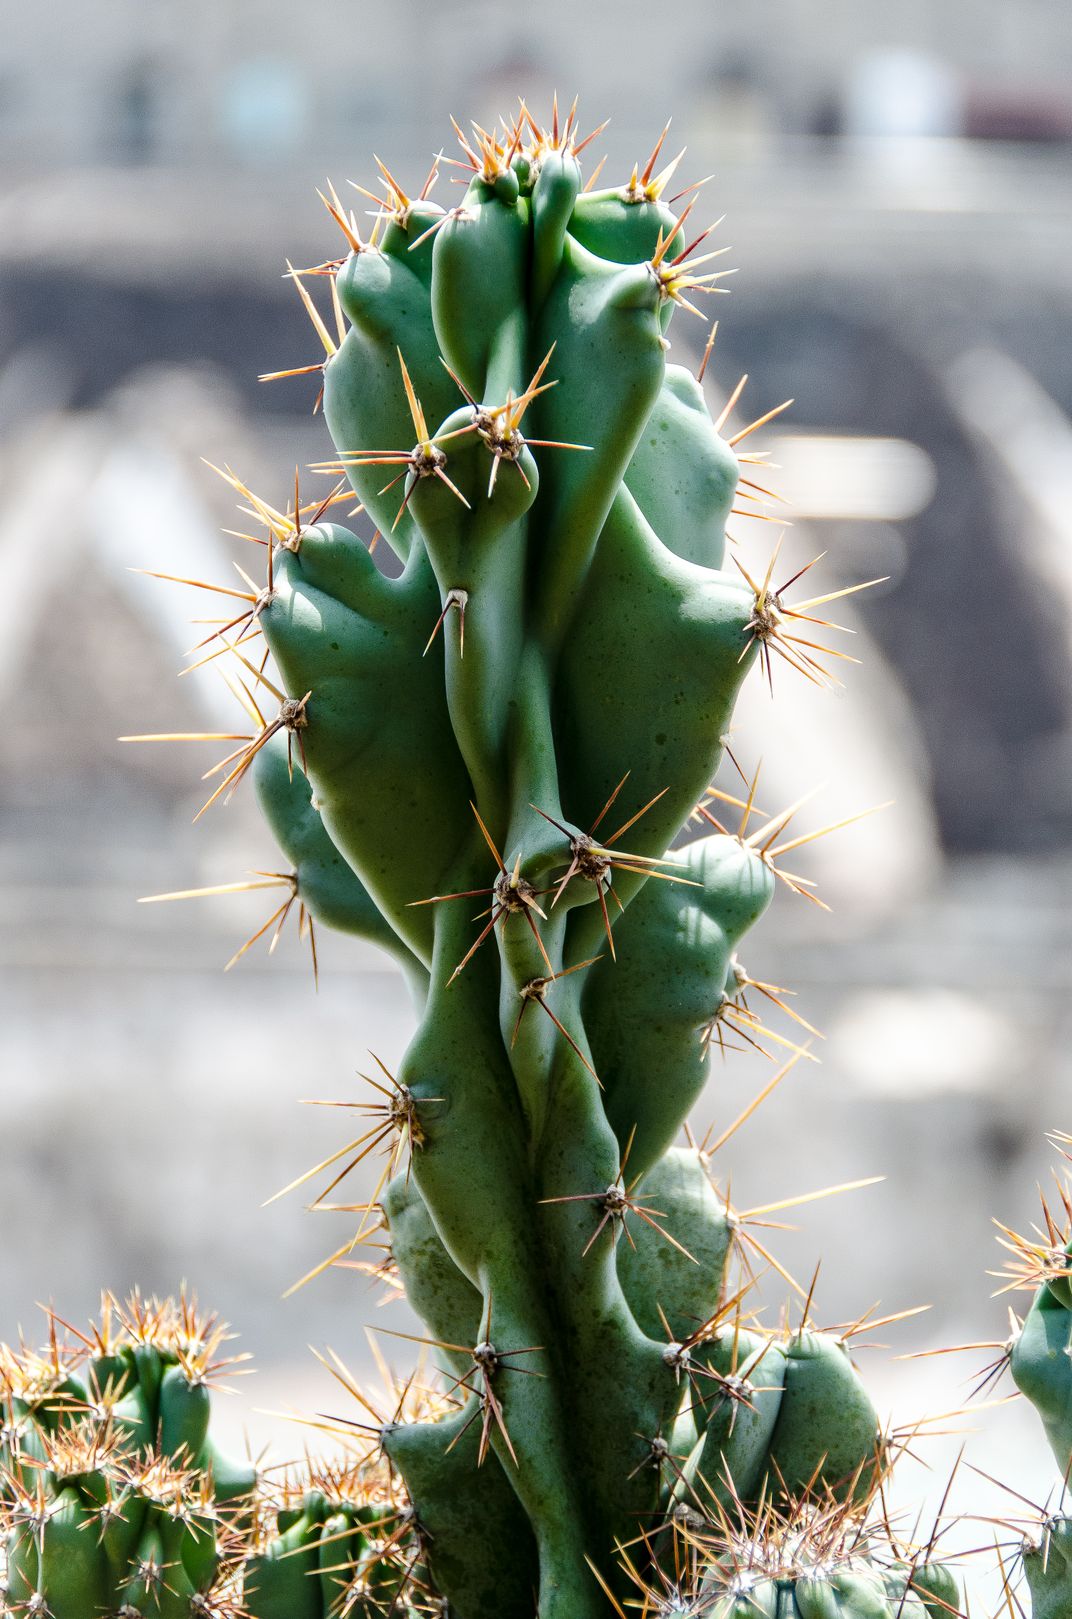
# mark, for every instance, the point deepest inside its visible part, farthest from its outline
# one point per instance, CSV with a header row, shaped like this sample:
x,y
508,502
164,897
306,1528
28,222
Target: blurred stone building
x,y
199,82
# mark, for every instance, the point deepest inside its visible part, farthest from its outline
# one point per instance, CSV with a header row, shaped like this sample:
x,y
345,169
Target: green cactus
x,y
1039,1355
517,720
336,1541
1040,1350
813,1560
113,1497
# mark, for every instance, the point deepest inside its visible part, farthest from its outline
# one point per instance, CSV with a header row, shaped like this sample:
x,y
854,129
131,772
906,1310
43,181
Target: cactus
x,y
113,1497
1040,1349
336,1540
516,720
811,1560
1038,1352
1048,1567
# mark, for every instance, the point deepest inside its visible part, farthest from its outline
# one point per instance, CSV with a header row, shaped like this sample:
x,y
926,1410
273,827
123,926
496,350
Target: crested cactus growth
x,y
113,1497
481,760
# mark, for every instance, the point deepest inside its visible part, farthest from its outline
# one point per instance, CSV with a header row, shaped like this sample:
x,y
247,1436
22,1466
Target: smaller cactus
x,y
815,1558
336,1541
113,1498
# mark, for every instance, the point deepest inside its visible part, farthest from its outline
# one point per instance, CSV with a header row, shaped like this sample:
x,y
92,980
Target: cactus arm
x,y
827,1426
667,1289
478,553
625,232
461,1505
448,1304
386,299
661,717
479,288
734,1444
380,751
326,884
608,359
1040,1359
683,476
554,198
645,1009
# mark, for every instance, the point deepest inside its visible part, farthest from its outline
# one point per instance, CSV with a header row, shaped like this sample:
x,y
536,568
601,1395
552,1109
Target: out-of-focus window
x,y
264,112
136,133
901,94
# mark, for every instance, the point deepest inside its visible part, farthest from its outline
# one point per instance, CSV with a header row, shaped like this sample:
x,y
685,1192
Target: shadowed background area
x,y
896,193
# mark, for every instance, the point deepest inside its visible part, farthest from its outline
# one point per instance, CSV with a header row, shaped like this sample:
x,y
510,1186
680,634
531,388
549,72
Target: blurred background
x,y
896,184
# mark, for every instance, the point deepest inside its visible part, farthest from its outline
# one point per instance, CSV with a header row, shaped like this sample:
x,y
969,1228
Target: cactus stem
x,y
511,895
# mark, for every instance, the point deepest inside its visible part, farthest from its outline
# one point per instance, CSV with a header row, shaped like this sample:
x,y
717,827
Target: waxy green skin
x,y
603,639
100,1533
